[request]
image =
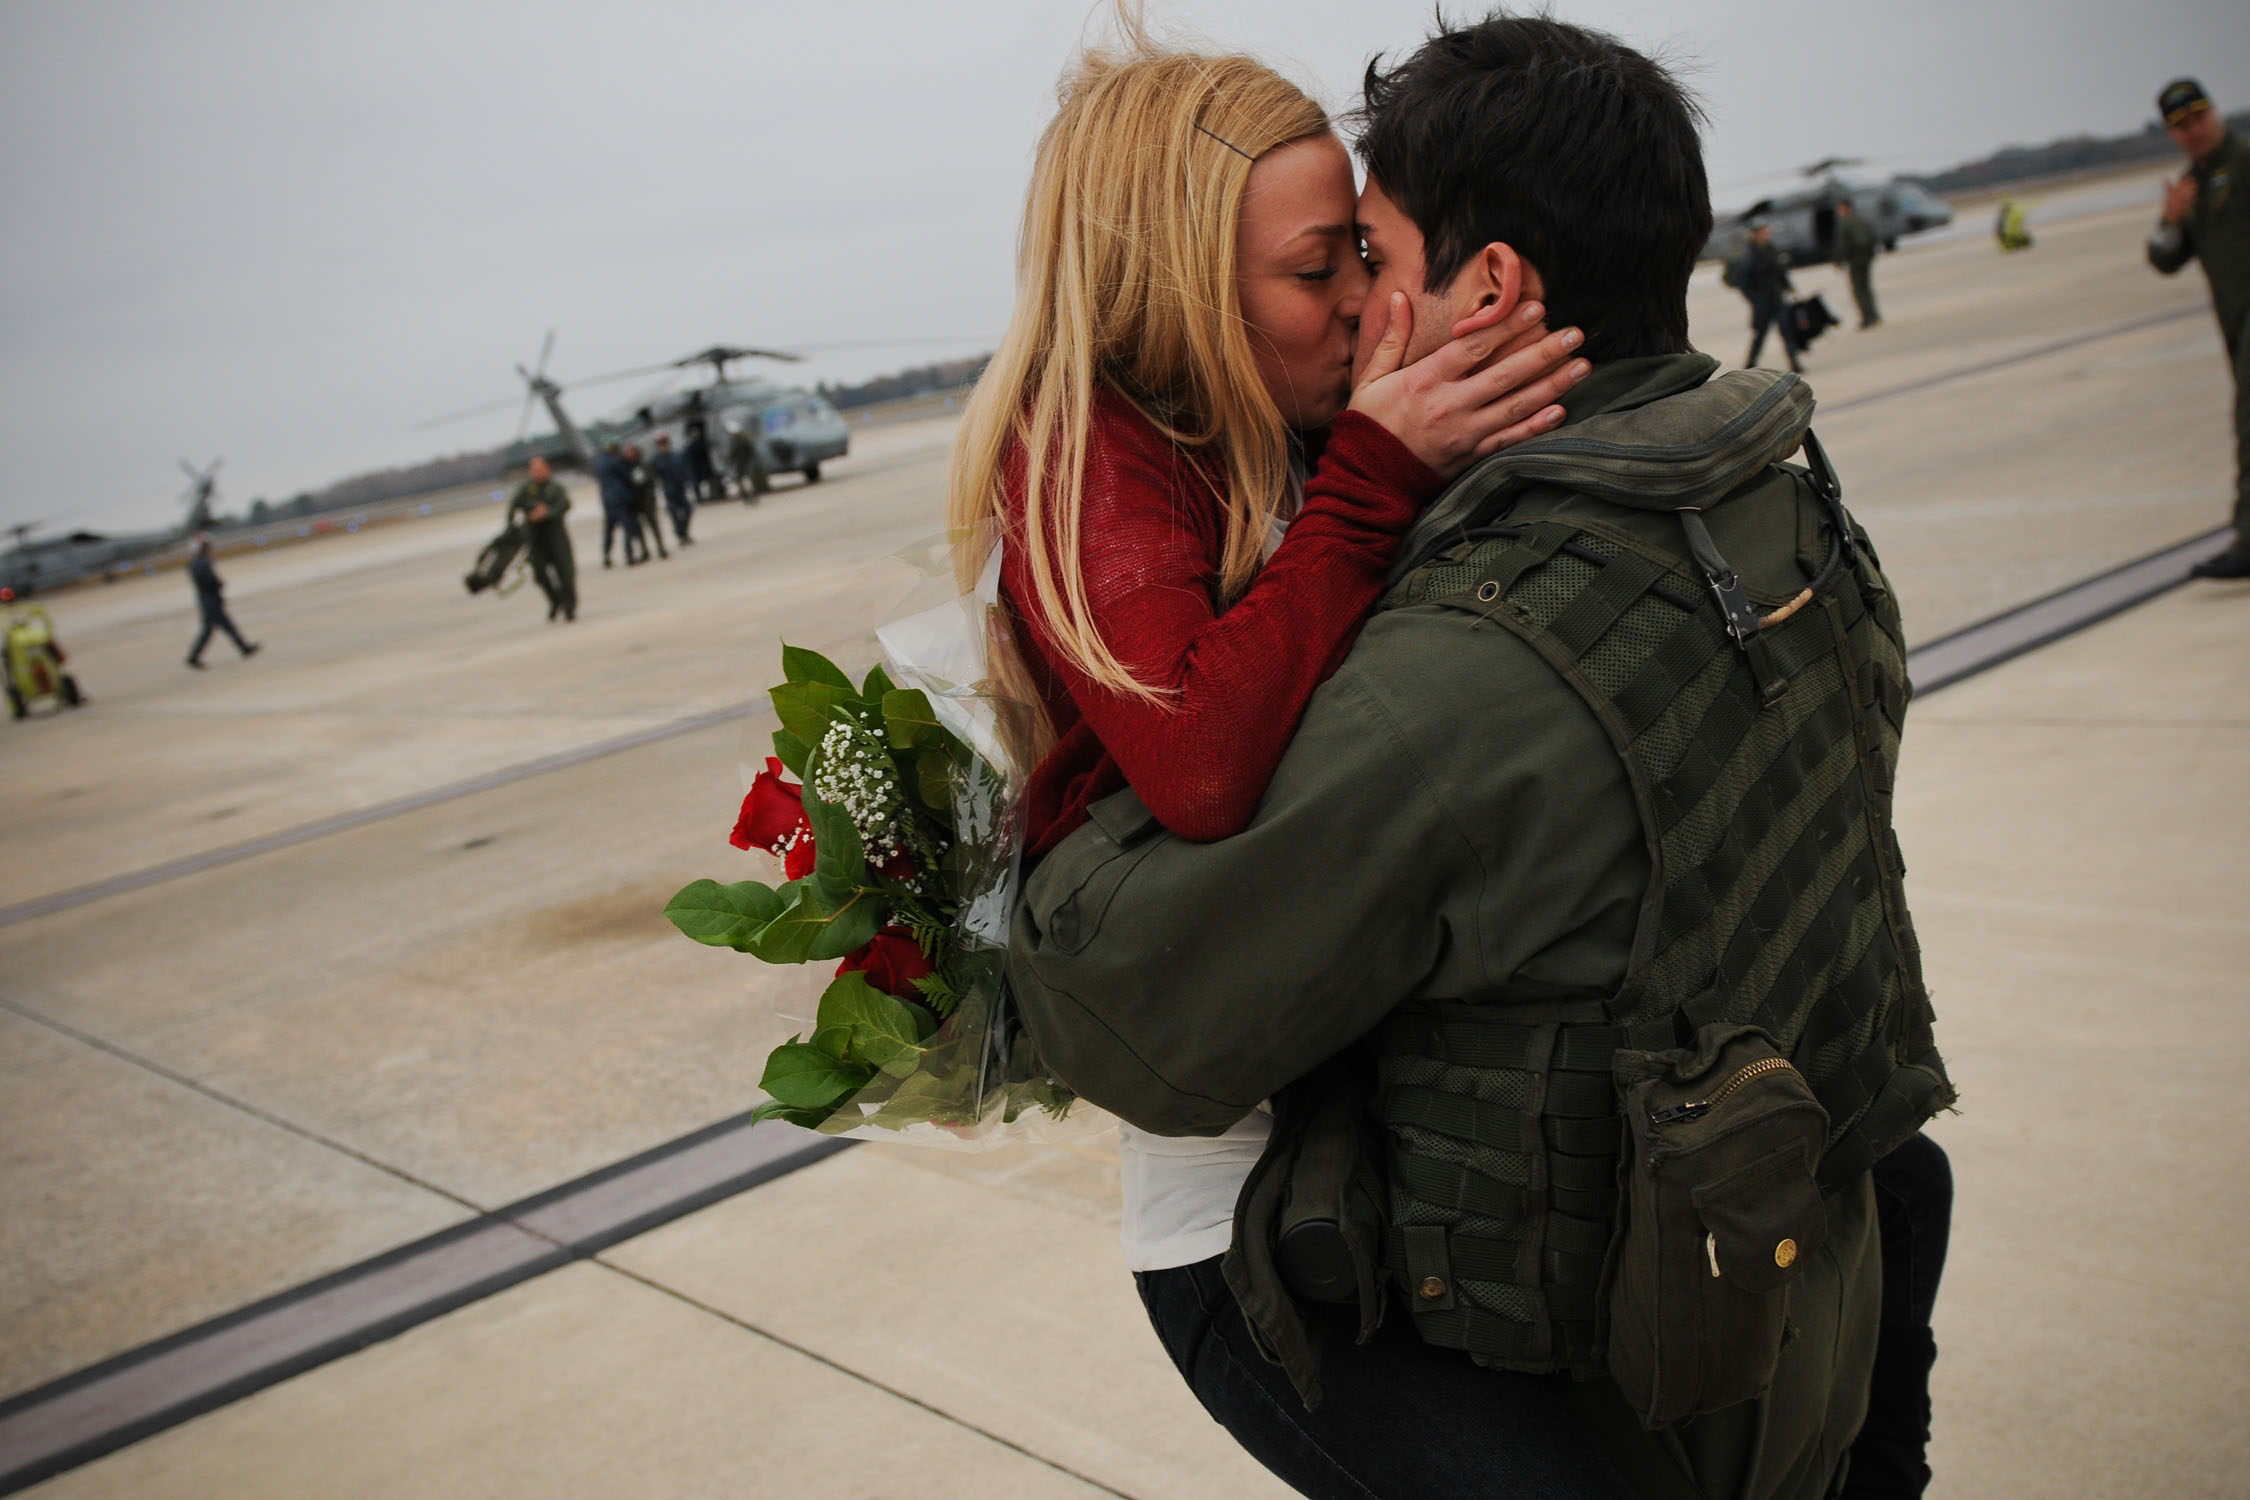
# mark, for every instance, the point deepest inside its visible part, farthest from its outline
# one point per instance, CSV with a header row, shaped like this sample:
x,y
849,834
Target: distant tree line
x,y
2076,153
944,376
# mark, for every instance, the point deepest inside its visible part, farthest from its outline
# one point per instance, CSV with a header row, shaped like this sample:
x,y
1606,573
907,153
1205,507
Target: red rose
x,y
892,961
898,867
773,819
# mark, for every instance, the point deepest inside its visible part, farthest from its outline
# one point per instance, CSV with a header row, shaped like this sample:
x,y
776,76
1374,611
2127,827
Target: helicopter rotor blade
x,y
545,349
622,375
189,469
523,418
460,416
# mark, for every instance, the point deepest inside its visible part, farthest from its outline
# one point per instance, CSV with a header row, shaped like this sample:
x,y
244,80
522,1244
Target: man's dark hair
x,y
1564,143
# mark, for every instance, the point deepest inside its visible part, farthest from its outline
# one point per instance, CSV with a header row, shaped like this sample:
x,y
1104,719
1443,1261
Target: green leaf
x,y
933,780
882,1030
774,1109
802,666
725,916
807,929
839,858
804,1077
909,720
949,1100
806,709
877,684
791,752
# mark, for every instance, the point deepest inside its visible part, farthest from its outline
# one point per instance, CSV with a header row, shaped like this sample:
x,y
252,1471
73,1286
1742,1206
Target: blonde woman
x,y
1176,385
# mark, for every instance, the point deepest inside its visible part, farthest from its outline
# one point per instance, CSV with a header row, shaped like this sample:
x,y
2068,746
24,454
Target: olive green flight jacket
x,y
2217,232
1449,818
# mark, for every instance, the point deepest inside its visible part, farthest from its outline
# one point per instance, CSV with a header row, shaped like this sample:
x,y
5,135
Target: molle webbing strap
x,y
1495,1125
1615,589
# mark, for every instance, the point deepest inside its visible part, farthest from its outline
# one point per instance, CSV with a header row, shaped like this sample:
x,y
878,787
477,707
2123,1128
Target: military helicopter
x,y
755,428
762,429
1804,221
52,562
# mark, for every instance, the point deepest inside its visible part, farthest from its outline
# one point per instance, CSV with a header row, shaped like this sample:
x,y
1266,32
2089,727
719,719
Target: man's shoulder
x,y
1426,680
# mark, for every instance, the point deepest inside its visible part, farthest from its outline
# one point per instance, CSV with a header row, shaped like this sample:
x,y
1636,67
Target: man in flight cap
x,y
2206,219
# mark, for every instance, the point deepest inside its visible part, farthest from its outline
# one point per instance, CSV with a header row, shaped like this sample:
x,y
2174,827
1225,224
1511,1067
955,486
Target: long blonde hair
x,y
1126,278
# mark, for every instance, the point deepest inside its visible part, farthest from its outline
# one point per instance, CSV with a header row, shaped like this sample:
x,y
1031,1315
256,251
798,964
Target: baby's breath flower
x,y
853,770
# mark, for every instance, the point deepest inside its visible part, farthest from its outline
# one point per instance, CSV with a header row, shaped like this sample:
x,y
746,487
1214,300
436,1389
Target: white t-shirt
x,y
1180,1191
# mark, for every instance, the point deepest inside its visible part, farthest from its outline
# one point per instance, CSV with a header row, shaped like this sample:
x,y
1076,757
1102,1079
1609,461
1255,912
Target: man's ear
x,y
1496,280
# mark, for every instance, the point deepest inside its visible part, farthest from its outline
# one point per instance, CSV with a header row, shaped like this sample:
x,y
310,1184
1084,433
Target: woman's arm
x,y
1232,685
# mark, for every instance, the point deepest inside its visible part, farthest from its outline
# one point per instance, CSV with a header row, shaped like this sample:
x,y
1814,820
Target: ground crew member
x,y
614,475
1855,249
640,482
1762,276
2013,227
672,473
210,603
2207,218
539,507
35,661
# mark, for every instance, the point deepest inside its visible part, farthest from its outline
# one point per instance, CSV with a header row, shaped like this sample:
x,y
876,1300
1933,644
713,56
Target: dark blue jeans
x,y
1401,1418
1914,1215
1398,1419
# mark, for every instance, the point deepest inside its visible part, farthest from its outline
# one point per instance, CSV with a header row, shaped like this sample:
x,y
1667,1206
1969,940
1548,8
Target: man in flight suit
x,y
2207,218
539,507
1855,250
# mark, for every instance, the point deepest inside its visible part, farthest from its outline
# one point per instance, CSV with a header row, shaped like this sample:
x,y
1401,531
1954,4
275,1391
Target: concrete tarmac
x,y
225,1084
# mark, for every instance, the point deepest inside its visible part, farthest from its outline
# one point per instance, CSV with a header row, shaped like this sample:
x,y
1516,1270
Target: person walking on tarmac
x,y
539,507
672,472
1855,250
2206,219
615,476
210,603
1762,276
641,486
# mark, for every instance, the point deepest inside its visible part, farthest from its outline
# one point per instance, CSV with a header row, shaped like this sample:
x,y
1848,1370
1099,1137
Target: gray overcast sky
x,y
288,232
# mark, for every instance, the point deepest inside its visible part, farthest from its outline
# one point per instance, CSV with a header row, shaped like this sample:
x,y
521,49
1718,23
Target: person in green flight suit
x,y
1610,767
2207,218
1856,245
539,506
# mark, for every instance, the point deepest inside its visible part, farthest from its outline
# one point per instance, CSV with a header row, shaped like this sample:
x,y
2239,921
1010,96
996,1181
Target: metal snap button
x,y
1785,1254
1433,1287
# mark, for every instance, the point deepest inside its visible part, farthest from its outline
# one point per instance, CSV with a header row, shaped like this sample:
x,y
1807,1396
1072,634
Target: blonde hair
x,y
1126,278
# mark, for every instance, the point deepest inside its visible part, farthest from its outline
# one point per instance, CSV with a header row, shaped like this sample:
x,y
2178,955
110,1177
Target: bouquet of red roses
x,y
898,848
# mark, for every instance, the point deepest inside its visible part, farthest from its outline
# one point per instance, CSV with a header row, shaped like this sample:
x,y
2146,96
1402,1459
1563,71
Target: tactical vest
x,y
1760,736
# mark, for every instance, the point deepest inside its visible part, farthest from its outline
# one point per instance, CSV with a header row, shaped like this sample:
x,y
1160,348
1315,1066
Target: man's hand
x,y
2179,199
1490,388
538,511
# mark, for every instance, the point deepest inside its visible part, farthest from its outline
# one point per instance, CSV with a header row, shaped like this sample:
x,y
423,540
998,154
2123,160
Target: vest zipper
x,y
1696,1109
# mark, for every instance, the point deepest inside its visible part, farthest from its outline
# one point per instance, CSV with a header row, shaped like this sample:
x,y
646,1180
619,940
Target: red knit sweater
x,y
1236,680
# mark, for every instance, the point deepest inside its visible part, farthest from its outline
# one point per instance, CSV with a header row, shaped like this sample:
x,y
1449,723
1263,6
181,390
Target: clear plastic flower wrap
x,y
900,850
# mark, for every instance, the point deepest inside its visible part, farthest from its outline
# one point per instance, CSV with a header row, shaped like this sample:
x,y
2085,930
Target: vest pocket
x,y
1721,1212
